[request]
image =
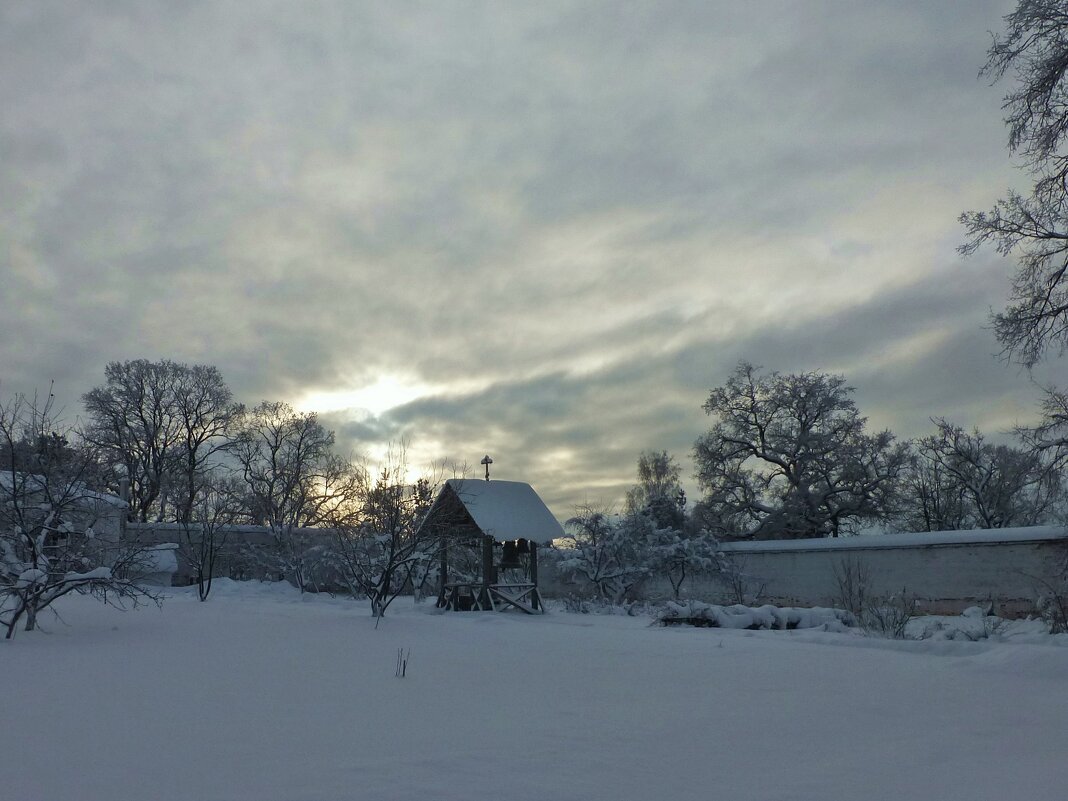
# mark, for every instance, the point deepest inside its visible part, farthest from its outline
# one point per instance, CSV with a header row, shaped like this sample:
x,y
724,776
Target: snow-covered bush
x,y
677,556
608,552
615,554
599,606
698,613
1053,609
974,624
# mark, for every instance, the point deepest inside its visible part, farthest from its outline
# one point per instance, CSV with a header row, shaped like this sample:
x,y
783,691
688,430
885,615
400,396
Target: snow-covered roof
x,y
911,540
506,510
75,492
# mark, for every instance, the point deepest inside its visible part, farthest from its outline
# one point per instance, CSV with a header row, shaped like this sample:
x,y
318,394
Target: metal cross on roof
x,y
486,461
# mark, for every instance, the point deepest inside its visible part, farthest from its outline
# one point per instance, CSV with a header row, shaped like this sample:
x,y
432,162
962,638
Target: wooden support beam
x,y
536,599
443,570
489,575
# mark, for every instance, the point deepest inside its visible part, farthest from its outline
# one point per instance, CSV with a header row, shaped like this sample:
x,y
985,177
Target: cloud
x,y
555,226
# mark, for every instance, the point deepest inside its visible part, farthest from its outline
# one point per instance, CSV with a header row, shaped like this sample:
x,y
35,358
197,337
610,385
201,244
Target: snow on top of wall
x,y
905,540
507,510
170,527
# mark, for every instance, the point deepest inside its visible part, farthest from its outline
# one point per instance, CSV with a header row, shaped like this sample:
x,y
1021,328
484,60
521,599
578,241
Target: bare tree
x,y
131,420
52,542
204,535
1051,593
207,415
1049,437
381,556
853,578
293,480
966,481
161,426
930,497
1034,48
789,457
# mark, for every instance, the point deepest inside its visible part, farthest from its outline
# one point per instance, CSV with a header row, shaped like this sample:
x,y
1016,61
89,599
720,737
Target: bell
x,y
510,556
522,546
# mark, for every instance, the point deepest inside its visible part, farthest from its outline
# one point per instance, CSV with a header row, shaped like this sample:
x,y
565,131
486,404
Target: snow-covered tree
x,y
48,545
678,555
611,553
655,514
958,479
1032,227
790,457
1049,438
658,492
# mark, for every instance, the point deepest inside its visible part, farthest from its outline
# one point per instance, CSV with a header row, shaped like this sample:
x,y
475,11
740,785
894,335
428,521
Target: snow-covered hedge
x,y
697,613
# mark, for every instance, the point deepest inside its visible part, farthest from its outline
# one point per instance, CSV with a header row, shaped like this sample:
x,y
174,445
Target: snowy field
x,y
261,694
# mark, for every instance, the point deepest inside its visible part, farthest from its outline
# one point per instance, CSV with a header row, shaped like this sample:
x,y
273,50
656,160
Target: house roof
x,y
72,492
505,510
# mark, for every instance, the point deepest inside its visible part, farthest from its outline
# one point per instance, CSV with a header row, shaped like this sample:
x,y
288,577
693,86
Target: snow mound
x,y
697,613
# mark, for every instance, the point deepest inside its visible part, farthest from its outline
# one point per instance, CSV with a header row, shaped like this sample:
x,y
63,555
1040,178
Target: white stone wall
x,y
945,571
232,558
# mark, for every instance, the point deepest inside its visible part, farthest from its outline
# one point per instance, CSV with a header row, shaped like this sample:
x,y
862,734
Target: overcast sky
x,y
540,231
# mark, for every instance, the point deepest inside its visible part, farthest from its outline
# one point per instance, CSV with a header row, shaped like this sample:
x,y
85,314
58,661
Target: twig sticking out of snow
x,y
402,662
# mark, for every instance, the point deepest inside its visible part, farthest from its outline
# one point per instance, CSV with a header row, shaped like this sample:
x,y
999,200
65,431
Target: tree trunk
x,y
31,615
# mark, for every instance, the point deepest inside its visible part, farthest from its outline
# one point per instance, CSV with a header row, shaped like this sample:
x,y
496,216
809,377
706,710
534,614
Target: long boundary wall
x,y
945,571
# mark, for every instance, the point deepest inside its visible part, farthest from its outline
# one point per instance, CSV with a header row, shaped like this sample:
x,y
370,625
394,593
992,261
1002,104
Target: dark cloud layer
x,y
542,231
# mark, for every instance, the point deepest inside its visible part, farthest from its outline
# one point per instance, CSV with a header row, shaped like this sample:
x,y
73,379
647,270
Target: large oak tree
x,y
790,457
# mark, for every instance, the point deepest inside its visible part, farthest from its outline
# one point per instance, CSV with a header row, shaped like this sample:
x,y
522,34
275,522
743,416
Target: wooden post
x,y
534,597
488,576
443,570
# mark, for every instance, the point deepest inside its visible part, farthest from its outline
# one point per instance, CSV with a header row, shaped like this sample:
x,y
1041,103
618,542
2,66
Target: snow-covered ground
x,y
261,694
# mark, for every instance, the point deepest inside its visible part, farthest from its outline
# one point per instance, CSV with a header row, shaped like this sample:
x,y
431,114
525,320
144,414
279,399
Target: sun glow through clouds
x,y
387,392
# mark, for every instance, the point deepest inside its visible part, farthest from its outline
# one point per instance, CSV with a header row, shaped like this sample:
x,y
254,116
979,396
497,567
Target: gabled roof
x,y
506,510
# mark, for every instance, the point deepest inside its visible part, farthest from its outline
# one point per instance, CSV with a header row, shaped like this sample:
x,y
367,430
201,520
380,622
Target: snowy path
x,y
258,694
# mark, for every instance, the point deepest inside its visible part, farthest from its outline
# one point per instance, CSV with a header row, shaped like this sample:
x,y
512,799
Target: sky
x,y
538,231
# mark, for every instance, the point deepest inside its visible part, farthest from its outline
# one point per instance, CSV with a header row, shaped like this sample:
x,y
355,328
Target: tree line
x,y
789,456
171,439
170,436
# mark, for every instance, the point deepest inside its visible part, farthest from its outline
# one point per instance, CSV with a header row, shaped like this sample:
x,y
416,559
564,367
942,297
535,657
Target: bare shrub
x,y
884,615
741,586
889,616
853,577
